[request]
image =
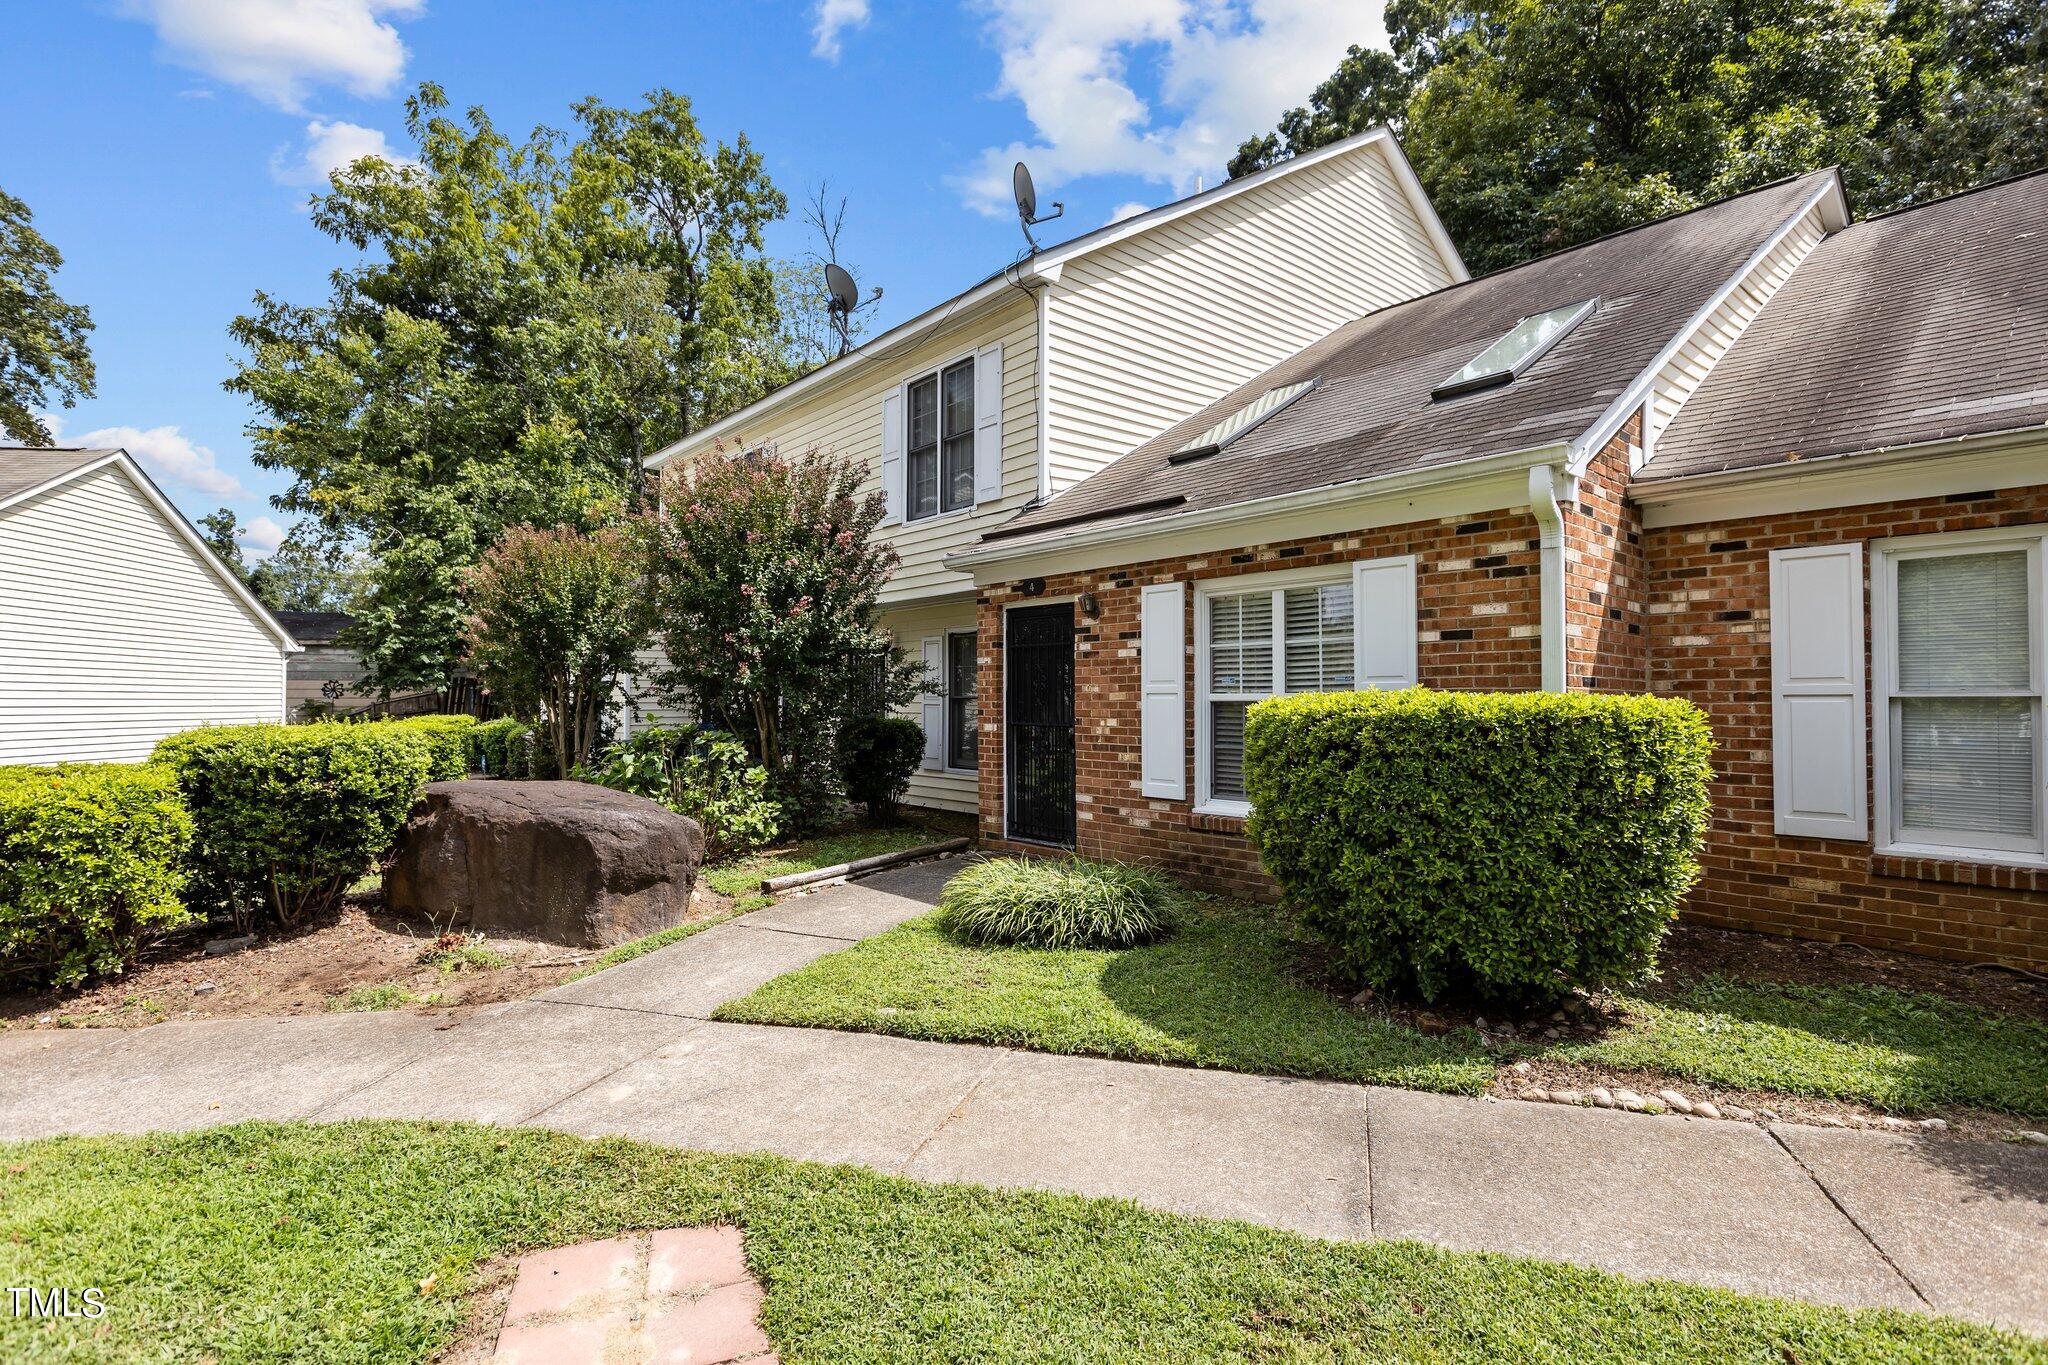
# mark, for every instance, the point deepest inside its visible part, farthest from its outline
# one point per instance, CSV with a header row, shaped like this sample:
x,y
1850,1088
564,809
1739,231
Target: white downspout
x,y
1550,572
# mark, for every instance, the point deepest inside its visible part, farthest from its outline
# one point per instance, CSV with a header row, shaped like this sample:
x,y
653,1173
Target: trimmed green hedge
x,y
92,858
509,748
448,737
288,816
1518,844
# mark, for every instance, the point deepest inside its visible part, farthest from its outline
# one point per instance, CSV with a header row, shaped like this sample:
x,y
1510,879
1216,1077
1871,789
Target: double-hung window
x,y
963,715
941,442
1258,642
1958,648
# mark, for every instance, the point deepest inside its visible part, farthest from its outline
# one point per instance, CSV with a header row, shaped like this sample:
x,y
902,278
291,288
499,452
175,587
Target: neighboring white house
x,y
1003,397
117,625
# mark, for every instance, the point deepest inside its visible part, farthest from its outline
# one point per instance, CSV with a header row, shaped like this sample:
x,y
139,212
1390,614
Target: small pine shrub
x,y
287,816
1512,844
92,861
877,755
1041,903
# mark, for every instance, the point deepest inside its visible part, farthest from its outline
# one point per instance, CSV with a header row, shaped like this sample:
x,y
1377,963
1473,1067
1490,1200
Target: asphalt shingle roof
x,y
1917,326
25,467
1371,412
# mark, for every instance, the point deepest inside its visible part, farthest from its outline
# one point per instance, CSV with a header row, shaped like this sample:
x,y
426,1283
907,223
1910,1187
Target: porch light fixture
x,y
1525,343
1238,423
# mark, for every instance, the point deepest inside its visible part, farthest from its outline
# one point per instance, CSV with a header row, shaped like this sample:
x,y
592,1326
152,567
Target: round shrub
x,y
877,755
496,747
704,774
1510,844
92,860
1041,903
287,816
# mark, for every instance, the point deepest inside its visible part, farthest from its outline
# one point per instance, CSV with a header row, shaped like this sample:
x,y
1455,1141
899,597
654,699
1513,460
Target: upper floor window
x,y
1959,654
940,445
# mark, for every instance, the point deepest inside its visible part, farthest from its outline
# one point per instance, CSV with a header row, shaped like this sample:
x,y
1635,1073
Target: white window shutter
x,y
1383,593
931,706
988,424
1818,750
1162,706
892,456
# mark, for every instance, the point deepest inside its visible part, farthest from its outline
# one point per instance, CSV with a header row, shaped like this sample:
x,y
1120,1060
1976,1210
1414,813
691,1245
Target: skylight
x,y
1240,422
1522,347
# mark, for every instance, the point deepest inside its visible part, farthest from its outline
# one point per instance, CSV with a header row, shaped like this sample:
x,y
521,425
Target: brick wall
x,y
1709,639
1606,649
1476,590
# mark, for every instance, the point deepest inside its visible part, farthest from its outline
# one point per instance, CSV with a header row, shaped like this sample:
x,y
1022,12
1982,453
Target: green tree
x,y
1535,124
765,577
695,214
219,529
556,617
43,352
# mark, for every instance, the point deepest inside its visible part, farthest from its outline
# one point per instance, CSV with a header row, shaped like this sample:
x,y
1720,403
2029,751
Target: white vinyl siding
x,y
934,785
1274,634
846,420
1817,751
1687,369
1959,634
1147,330
115,632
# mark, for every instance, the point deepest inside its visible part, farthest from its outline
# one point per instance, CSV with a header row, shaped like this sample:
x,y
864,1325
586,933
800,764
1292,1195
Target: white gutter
x,y
1356,491
1550,575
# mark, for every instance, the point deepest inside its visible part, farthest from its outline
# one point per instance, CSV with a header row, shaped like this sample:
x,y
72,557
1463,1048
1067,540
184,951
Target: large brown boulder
x,y
565,861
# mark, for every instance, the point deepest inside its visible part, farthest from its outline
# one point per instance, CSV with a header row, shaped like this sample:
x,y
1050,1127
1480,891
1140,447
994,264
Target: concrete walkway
x,y
1836,1216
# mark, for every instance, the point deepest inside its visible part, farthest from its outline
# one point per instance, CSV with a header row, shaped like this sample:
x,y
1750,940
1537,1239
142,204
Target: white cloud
x,y
278,50
262,535
829,21
330,145
1123,211
169,454
1223,70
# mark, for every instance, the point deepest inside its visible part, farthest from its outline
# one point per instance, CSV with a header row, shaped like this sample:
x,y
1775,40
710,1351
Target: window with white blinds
x,y
1961,635
1263,643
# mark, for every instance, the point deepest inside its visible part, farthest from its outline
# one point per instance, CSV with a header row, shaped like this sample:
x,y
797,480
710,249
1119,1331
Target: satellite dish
x,y
1027,203
839,284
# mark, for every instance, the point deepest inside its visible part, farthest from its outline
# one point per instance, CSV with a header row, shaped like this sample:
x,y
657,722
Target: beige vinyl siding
x,y
936,789
845,419
642,709
1147,330
115,633
1700,351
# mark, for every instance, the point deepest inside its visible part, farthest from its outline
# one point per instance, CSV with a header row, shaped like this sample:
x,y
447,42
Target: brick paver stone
x,y
680,1296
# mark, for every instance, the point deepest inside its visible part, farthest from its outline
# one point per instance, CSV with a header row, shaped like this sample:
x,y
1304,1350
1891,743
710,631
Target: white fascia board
x,y
1834,215
1476,485
1044,269
1927,469
227,576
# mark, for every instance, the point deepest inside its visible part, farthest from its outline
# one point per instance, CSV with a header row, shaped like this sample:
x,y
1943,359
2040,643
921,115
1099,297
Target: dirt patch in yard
x,y
359,958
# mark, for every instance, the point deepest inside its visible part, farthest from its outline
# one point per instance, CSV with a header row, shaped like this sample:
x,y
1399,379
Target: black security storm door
x,y
1038,712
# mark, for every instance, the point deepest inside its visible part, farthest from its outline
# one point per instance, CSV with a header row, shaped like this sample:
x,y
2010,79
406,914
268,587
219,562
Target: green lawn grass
x,y
743,876
1225,991
1902,1051
1219,992
271,1242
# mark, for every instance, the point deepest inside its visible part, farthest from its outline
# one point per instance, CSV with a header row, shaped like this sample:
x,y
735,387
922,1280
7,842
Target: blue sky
x,y
169,146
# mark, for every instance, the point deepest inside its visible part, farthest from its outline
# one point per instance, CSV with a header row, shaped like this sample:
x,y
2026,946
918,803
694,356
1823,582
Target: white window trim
x,y
946,709
971,358
1277,581
1890,838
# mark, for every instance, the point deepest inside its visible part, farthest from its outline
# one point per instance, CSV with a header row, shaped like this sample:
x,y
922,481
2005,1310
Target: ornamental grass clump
x,y
1039,903
1510,845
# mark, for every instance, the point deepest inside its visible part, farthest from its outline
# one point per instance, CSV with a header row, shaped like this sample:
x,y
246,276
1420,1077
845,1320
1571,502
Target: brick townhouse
x,y
1787,465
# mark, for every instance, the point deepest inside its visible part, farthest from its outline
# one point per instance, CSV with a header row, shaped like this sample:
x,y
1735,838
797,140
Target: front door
x,y
1038,711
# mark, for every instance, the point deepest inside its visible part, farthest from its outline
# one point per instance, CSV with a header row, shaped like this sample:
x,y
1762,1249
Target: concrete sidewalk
x,y
1835,1216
